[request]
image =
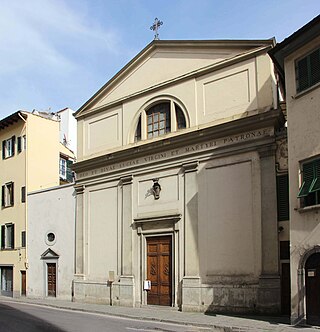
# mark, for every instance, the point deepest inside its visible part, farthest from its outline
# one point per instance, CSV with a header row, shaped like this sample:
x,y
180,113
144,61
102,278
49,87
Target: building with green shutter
x,y
297,59
31,154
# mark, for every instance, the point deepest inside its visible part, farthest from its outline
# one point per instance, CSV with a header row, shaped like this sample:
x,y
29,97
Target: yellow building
x,y
32,158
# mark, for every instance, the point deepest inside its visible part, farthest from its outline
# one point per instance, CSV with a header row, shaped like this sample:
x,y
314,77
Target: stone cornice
x,y
272,118
165,217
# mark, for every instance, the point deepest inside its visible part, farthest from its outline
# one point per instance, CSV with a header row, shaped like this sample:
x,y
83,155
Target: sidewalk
x,y
171,315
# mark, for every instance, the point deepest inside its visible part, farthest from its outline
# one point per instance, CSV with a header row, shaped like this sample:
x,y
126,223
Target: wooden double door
x,y
312,275
159,270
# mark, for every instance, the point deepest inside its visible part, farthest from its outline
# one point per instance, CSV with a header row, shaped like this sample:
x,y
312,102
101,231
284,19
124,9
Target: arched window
x,y
159,119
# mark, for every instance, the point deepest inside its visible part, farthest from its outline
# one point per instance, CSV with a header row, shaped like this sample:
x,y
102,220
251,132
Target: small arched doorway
x,y
312,282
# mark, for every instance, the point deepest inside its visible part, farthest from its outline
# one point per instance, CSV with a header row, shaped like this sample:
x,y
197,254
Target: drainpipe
x,y
26,151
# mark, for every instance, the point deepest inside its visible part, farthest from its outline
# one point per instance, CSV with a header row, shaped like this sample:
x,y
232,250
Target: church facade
x,y
176,181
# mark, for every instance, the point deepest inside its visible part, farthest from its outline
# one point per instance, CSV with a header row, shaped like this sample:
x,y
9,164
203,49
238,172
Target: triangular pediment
x,y
164,62
49,253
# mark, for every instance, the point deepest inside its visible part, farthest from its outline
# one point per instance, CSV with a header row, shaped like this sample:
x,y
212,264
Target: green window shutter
x,y
3,236
308,71
316,182
12,194
13,138
12,236
3,149
2,196
23,194
23,239
19,144
302,74
308,177
69,171
315,67
283,197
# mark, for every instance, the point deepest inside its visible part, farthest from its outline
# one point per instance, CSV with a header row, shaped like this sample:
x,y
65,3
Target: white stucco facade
x,y
68,129
51,211
215,217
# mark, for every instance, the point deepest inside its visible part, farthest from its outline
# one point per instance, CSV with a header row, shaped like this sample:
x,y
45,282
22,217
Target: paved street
x,y
53,315
18,317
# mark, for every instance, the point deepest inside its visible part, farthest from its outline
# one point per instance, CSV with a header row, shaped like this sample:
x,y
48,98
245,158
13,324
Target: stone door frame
x,y
155,227
302,304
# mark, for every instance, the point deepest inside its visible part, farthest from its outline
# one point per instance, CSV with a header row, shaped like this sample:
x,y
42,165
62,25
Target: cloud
x,y
48,34
50,53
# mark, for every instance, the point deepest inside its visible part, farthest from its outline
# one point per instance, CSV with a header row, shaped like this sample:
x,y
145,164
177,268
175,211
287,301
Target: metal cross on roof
x,y
155,27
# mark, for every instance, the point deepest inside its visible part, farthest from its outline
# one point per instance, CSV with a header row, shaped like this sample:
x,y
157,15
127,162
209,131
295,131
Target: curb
x,y
218,328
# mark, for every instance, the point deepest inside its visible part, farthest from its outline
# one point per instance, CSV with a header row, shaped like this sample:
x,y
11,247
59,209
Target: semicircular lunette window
x,y
160,119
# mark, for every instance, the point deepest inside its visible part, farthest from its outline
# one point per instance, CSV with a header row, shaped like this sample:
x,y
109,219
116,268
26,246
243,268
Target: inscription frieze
x,y
209,145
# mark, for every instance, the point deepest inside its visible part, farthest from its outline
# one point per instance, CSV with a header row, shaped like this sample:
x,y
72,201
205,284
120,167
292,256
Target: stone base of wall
x,y
120,292
269,296
91,292
123,292
262,297
191,294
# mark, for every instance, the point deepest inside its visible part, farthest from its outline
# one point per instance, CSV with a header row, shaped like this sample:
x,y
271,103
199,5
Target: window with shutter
x,y
310,189
283,197
308,71
69,171
7,236
8,147
7,198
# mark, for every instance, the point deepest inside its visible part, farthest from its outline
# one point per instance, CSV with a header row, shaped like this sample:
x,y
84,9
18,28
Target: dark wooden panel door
x,y
312,275
159,258
23,283
51,279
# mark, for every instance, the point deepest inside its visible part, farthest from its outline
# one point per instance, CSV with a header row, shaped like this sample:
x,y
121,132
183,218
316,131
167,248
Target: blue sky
x,y
58,53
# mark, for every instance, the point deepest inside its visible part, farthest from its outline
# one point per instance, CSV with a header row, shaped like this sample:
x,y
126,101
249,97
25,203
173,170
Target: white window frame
x,y
63,168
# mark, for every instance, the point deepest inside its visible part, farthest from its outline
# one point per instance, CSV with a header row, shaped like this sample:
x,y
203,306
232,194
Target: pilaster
x,y
79,232
126,254
191,219
269,283
191,283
